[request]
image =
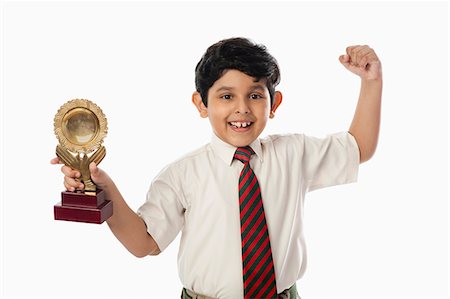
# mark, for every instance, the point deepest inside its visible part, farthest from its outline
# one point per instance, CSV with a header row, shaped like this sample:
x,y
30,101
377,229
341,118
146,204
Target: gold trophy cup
x,y
80,127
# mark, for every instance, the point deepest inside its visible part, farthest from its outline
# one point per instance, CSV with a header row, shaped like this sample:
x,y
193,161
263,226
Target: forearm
x,y
365,126
128,227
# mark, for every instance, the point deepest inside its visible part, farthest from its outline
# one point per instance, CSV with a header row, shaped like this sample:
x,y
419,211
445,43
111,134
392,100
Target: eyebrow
x,y
228,88
224,88
258,87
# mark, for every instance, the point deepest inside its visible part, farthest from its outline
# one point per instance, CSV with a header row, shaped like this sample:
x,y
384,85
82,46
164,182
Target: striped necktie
x,y
257,263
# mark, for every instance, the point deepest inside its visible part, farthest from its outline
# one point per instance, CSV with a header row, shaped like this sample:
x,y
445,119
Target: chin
x,y
242,142
238,139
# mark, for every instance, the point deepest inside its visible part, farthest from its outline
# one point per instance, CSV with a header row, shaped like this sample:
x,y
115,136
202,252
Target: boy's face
x,y
238,107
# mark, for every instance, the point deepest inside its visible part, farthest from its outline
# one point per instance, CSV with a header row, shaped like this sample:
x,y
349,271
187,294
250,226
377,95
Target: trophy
x,y
80,127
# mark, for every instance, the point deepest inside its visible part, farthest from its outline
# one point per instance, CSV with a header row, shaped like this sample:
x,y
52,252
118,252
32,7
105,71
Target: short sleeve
x,y
330,161
163,211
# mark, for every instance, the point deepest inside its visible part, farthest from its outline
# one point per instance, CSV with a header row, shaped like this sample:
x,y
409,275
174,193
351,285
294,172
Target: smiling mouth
x,y
240,124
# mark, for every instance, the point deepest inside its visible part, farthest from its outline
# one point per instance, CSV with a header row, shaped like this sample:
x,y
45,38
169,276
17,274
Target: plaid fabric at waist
x,y
290,293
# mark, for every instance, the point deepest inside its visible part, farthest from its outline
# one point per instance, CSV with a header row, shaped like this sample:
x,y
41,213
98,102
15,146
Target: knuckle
x,y
66,170
69,181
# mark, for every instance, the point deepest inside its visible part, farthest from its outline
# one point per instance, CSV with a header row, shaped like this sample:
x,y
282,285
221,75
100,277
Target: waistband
x,y
290,293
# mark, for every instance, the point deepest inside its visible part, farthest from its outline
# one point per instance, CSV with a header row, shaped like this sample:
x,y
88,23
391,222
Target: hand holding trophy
x,y
80,127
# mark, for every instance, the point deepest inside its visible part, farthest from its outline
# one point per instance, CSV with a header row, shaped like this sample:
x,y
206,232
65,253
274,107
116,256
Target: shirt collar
x,y
226,151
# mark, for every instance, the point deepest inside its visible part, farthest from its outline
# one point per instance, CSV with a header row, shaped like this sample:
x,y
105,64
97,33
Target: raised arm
x,y
365,127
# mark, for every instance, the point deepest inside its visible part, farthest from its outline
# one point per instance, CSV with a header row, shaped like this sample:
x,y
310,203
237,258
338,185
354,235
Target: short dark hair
x,y
239,54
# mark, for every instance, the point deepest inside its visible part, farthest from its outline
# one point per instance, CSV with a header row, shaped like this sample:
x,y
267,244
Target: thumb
x,y
98,176
345,60
93,169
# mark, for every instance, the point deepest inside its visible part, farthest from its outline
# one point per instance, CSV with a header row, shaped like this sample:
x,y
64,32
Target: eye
x,y
255,96
226,97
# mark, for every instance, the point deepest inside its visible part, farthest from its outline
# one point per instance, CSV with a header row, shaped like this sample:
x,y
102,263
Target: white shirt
x,y
198,195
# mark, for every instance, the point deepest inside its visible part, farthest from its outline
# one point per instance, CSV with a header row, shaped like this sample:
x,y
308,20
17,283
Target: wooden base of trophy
x,y
90,207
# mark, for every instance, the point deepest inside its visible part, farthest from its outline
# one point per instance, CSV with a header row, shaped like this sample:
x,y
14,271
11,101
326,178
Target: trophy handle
x,y
66,158
98,156
82,164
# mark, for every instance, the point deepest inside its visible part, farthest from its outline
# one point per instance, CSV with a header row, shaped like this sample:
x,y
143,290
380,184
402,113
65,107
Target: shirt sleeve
x,y
163,211
330,161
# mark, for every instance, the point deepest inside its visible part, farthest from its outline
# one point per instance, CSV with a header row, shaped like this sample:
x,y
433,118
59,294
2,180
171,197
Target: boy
x,y
239,200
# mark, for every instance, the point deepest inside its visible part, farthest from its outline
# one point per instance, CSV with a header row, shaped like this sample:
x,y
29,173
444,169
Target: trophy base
x,y
79,207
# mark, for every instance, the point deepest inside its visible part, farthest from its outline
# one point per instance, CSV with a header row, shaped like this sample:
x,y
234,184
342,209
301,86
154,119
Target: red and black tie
x,y
257,262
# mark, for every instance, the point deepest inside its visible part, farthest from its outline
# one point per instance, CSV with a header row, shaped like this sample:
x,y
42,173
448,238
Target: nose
x,y
242,106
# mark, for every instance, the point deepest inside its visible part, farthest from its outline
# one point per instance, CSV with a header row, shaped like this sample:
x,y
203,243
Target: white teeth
x,y
240,124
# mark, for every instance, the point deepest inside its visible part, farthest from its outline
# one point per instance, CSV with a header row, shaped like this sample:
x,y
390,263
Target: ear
x,y
198,103
277,99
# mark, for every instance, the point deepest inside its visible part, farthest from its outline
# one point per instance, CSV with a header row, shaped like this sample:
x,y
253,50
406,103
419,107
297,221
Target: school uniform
x,y
198,195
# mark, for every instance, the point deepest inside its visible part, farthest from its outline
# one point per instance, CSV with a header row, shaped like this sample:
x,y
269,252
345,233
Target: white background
x,y
384,237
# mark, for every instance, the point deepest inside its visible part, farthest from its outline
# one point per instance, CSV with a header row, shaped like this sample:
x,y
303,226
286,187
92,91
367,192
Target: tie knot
x,y
243,154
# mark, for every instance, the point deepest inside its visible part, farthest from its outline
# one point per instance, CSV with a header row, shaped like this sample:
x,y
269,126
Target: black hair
x,y
239,54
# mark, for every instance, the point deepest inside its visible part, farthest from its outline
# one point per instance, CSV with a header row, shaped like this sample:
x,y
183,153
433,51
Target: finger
x,y
357,52
361,53
351,53
72,184
68,187
364,61
71,188
345,61
69,172
368,59
349,50
344,58
55,161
